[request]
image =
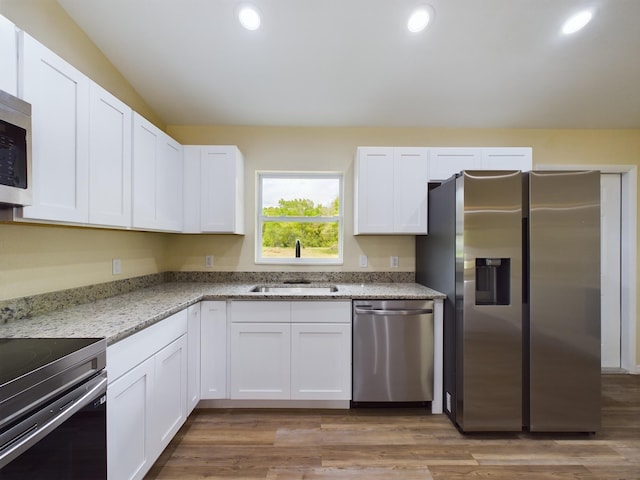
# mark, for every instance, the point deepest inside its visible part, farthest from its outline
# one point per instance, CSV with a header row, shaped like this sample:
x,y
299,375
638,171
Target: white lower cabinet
x,y
321,361
169,397
213,347
128,420
194,325
146,396
260,361
298,350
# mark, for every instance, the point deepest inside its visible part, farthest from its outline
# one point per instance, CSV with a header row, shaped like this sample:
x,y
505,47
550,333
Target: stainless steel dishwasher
x,y
392,351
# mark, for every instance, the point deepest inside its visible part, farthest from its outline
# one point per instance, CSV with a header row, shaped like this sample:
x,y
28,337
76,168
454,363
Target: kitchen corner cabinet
x,y
213,189
391,190
157,178
146,396
297,350
213,347
109,160
59,97
8,56
193,356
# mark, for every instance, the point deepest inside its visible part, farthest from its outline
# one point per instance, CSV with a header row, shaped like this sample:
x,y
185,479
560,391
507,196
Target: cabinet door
x,y
157,178
146,140
374,190
193,356
8,57
213,350
109,160
320,361
129,419
59,97
410,180
445,162
260,361
221,187
507,158
170,393
169,185
191,189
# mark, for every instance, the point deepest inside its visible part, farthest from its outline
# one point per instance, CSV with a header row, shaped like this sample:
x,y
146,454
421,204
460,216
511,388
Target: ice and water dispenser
x,y
493,286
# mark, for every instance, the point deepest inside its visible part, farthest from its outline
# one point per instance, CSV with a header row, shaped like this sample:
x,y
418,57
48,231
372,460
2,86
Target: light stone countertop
x,y
118,317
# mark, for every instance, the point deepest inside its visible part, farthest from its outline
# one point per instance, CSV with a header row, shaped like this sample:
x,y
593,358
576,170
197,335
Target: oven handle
x,y
67,406
400,312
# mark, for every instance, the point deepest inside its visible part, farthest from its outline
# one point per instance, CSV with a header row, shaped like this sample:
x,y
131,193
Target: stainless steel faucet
x,y
297,248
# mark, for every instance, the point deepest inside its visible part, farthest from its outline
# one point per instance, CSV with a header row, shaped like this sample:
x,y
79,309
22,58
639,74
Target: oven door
x,y
66,439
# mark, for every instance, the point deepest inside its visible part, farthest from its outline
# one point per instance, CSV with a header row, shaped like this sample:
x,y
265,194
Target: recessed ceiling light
x,y
420,18
249,17
577,22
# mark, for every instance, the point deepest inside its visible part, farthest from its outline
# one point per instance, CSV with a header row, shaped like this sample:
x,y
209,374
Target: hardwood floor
x,y
399,444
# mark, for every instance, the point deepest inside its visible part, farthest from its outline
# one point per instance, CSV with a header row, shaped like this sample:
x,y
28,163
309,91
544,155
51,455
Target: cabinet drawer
x,y
260,312
131,351
321,311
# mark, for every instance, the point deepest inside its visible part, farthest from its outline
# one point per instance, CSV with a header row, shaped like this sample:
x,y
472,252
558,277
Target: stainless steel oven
x,y
53,409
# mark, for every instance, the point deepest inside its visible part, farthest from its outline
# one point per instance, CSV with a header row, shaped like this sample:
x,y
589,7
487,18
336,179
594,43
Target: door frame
x,y
628,256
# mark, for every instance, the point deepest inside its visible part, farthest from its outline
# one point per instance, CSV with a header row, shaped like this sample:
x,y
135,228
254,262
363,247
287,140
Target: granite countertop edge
x,y
118,317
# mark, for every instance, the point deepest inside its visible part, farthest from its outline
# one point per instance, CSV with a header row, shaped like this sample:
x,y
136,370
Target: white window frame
x,y
260,219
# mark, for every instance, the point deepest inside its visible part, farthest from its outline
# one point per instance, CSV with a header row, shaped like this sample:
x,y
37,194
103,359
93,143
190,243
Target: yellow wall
x,y
38,259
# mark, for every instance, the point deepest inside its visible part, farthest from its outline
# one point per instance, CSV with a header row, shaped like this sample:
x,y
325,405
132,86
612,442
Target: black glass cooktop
x,y
21,356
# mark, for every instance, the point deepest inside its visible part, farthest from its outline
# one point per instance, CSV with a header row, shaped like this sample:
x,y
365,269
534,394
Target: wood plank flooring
x,y
403,444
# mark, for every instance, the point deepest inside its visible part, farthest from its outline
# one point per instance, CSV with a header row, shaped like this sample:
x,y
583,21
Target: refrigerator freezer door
x,y
489,315
564,220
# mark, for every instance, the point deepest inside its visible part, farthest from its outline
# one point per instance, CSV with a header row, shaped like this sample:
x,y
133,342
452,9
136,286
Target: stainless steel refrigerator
x,y
518,255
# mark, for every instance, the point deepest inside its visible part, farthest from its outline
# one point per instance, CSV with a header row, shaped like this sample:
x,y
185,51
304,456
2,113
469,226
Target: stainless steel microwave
x,y
15,151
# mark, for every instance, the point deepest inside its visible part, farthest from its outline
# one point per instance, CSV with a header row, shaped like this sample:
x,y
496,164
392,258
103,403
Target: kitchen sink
x,y
284,289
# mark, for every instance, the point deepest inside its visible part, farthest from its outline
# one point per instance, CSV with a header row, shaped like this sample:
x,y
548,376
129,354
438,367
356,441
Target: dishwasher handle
x,y
397,312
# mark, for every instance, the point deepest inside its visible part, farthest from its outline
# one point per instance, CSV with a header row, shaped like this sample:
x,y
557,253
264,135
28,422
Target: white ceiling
x,y
481,63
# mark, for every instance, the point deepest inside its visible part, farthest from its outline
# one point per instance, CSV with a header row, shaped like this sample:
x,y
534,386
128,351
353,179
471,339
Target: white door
x,y
213,349
59,97
129,454
170,393
109,159
260,361
321,361
610,227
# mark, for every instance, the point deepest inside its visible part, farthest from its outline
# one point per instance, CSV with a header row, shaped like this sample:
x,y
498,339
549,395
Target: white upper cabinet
x,y
445,162
8,57
507,158
109,160
59,96
391,190
157,178
213,189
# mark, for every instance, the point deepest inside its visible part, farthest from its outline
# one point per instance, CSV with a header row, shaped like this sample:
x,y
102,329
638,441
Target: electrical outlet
x,y
394,261
363,261
208,261
116,266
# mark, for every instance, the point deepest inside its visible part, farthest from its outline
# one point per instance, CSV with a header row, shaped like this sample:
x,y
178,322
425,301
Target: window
x,y
299,218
